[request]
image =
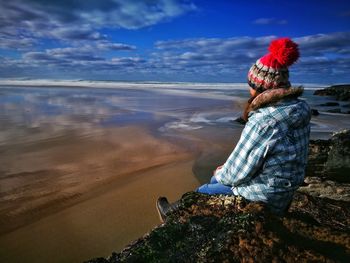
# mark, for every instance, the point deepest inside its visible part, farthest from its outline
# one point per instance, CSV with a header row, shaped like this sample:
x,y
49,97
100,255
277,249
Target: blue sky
x,y
170,40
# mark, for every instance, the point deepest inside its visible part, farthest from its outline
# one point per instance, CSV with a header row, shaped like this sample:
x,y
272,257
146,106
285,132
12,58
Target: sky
x,y
170,40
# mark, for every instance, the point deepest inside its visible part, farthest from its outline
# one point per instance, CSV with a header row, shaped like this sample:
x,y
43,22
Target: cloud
x,y
88,60
16,42
105,45
81,19
235,55
334,42
38,56
345,14
216,44
197,59
75,34
270,21
80,58
226,54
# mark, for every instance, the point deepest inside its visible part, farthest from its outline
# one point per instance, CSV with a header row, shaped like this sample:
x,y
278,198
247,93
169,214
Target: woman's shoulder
x,y
285,116
261,122
262,117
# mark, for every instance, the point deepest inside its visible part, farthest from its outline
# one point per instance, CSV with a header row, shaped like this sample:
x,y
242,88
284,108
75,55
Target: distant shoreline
x,y
138,84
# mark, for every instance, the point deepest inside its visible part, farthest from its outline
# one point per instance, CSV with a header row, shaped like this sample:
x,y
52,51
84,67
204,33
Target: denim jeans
x,y
214,187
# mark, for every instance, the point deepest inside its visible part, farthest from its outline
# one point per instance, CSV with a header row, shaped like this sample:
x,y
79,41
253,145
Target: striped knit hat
x,y
271,71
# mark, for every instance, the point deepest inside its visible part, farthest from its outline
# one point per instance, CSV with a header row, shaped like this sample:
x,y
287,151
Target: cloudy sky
x,y
170,40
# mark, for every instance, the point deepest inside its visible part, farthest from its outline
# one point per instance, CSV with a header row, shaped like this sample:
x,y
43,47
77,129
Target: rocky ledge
x,y
230,229
340,92
328,171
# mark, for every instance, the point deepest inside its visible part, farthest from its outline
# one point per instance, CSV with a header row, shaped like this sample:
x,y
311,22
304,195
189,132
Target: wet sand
x,y
80,169
39,178
63,198
110,218
92,195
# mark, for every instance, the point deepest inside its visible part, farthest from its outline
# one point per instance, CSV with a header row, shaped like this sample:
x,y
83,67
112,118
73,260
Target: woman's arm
x,y
249,154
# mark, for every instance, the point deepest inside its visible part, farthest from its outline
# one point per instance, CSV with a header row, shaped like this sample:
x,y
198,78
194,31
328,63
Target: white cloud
x,y
270,21
188,59
79,19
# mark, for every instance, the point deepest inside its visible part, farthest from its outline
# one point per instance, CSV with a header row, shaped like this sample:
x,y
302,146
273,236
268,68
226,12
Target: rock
x,y
318,155
330,159
328,170
314,112
340,92
334,110
227,229
329,104
312,180
315,186
240,120
338,161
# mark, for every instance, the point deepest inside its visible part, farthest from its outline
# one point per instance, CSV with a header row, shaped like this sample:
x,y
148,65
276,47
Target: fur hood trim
x,y
273,96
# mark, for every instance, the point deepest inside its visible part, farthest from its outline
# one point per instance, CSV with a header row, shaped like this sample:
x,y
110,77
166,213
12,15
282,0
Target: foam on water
x,y
179,125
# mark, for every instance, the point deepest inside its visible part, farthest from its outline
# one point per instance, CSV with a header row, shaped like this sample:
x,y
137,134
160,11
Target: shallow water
x,y
71,156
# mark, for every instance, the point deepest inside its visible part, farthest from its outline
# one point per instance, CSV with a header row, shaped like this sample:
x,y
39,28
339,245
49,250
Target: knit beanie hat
x,y
271,71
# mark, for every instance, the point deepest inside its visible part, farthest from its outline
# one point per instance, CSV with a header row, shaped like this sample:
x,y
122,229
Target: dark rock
x,y
330,104
334,111
314,112
318,187
328,171
240,120
340,92
330,159
338,162
97,260
318,155
228,229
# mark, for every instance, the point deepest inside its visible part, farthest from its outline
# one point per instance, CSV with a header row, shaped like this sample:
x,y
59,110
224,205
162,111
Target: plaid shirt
x,y
268,163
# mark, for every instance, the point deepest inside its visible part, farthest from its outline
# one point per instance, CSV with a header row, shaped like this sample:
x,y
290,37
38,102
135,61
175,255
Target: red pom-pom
x,y
285,51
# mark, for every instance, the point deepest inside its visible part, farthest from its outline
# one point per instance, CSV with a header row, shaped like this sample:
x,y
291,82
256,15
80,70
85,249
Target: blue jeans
x,y
214,187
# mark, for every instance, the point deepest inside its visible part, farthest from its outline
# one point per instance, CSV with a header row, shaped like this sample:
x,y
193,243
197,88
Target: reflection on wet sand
x,y
91,179
80,170
41,179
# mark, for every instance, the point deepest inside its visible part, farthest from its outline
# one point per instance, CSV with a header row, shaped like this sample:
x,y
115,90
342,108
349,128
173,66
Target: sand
x,y
60,190
41,179
80,196
114,215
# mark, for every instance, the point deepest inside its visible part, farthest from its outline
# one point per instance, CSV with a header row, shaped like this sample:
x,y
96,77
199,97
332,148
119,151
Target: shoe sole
x,y
162,217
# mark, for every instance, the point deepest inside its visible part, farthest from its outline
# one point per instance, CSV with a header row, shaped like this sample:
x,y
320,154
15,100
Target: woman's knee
x,y
215,189
213,180
203,189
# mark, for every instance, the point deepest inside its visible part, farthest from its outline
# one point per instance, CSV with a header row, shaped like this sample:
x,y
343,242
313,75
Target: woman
x,y
268,163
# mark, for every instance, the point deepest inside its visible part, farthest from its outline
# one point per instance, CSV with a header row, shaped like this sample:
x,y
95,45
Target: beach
x,y
77,160
82,164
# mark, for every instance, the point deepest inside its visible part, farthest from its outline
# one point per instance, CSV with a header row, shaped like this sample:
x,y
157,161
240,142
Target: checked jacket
x,y
268,163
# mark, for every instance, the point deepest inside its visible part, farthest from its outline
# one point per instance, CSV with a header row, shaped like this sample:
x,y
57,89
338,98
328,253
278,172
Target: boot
x,y
164,208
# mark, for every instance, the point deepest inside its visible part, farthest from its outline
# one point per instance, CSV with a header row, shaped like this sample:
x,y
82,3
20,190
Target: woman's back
x,y
268,163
